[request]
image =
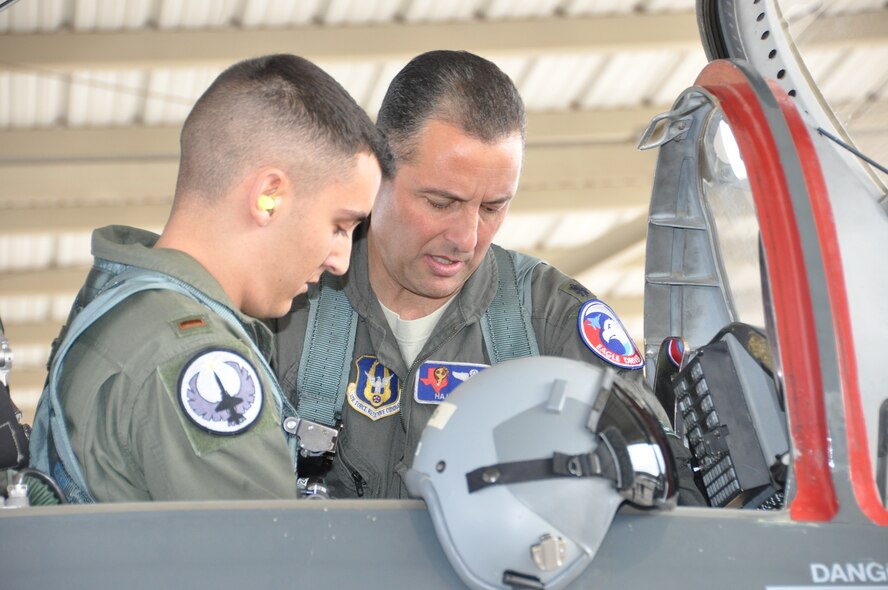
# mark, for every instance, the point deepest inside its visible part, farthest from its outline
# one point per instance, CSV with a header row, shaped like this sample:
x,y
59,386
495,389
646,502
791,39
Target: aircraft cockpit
x,y
706,280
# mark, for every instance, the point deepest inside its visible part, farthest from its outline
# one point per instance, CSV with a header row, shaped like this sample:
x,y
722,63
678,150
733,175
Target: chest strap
x,y
506,324
329,342
324,367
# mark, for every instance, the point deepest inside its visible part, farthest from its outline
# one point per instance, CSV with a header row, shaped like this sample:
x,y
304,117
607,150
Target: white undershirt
x,y
413,334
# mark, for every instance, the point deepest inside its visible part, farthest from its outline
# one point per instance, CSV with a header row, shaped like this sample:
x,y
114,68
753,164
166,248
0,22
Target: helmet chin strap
x,y
610,460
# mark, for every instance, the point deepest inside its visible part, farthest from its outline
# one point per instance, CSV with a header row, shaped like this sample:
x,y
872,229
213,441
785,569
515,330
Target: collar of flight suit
x,y
471,302
133,246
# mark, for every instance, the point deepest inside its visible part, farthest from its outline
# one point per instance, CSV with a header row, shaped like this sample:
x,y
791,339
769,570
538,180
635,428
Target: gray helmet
x,y
525,464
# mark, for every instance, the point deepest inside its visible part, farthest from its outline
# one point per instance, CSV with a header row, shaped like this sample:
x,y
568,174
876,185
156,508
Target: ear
x,y
264,194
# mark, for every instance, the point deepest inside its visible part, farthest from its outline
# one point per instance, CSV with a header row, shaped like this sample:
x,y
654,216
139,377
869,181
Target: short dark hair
x,y
456,87
277,110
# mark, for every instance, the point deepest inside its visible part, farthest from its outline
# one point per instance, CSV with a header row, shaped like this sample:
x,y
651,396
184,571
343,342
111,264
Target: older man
x,y
429,301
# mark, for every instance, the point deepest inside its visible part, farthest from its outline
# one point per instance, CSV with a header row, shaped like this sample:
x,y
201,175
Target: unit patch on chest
x,y
375,391
436,379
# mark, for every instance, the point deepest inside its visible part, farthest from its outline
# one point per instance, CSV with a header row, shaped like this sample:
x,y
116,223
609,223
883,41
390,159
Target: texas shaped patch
x,y
436,379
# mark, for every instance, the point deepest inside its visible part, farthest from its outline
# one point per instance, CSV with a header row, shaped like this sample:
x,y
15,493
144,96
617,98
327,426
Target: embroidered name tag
x,y
436,379
375,392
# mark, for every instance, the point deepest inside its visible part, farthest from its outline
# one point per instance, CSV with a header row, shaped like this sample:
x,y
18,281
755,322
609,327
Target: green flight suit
x,y
125,398
375,452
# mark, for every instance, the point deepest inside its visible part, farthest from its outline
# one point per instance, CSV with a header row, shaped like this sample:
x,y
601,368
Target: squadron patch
x,y
603,333
375,391
436,379
220,392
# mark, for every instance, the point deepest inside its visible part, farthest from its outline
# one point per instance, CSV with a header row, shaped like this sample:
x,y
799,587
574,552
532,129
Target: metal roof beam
x,y
19,146
846,31
65,51
73,218
69,183
67,281
32,334
593,172
151,143
35,220
580,259
56,281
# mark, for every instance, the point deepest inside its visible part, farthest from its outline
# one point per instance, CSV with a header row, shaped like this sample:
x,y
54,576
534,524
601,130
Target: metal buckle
x,y
314,439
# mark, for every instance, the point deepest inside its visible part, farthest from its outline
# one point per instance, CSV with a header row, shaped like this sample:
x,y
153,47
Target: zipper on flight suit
x,y
416,363
357,478
359,483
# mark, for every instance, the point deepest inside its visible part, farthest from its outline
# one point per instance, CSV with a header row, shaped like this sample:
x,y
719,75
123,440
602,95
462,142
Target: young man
x,y
165,393
429,291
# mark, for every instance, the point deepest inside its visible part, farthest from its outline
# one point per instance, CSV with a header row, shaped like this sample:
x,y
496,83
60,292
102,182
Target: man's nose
x,y
340,254
463,233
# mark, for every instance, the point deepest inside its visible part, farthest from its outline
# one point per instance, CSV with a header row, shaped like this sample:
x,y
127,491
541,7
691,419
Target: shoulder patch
x,y
220,392
604,334
436,379
375,392
576,290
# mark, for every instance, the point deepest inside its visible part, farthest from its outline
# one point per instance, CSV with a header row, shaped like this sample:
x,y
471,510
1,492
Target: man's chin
x,y
442,288
272,310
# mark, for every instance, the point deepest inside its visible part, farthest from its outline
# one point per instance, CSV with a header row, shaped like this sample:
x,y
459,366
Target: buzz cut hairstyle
x,y
455,87
276,110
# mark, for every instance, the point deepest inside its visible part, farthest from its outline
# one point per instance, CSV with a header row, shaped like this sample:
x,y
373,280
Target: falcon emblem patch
x,y
375,392
436,379
220,392
603,333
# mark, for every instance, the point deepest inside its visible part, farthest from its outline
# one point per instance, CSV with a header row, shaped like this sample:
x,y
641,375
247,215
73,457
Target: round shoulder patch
x,y
220,392
605,335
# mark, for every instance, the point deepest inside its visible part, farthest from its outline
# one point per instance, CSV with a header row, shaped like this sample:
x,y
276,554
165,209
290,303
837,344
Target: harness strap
x,y
506,325
326,354
326,361
51,449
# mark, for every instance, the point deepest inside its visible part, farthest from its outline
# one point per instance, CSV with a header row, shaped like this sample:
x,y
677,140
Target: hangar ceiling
x,y
92,93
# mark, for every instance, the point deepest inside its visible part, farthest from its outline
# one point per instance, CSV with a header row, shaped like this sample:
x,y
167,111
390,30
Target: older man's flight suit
x,y
142,391
388,403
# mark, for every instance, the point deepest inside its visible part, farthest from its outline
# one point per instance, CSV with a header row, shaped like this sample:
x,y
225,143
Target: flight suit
x,y
381,429
142,391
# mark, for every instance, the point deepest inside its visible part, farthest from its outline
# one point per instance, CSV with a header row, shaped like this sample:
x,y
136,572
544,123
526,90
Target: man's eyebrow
x,y
500,201
436,192
452,196
351,215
